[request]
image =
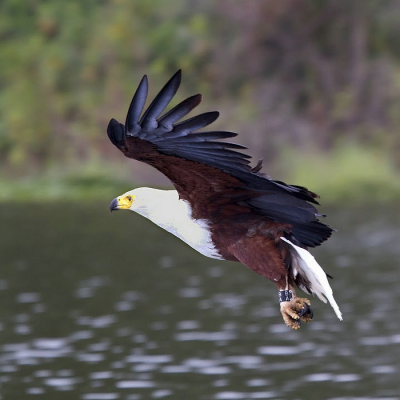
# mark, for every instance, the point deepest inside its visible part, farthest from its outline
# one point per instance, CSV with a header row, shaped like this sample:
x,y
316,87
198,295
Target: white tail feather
x,y
308,265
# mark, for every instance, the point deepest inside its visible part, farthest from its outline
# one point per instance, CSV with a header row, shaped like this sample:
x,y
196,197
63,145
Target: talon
x,y
306,310
295,311
306,313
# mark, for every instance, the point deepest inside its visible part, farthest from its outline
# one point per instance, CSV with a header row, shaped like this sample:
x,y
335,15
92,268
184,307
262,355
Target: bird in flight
x,y
221,206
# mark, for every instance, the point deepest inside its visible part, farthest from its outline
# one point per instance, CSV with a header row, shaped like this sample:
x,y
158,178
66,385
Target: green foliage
x,y
282,72
92,181
65,63
349,172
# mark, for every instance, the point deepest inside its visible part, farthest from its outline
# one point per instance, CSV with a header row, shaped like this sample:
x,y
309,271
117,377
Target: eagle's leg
x,y
294,309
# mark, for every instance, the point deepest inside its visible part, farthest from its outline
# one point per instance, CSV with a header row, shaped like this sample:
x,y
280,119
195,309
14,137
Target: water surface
x,y
102,306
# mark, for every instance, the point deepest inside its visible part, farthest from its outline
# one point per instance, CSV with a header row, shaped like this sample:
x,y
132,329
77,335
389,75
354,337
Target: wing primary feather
x,y
209,144
116,133
211,135
149,118
220,152
215,158
185,128
136,107
179,111
197,122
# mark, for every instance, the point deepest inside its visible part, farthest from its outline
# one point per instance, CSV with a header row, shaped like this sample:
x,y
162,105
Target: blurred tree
x,y
304,72
320,69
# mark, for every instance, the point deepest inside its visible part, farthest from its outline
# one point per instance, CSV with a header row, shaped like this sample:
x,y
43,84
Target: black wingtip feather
x,y
197,122
212,135
180,111
116,132
136,106
157,106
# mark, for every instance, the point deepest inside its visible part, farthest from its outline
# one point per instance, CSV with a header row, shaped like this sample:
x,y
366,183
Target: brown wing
x,y
212,175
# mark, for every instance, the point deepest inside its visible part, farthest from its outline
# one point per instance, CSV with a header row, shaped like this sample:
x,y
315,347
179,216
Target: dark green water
x,y
100,306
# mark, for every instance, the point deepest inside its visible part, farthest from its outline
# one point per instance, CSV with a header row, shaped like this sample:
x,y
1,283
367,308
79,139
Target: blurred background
x,y
312,87
97,306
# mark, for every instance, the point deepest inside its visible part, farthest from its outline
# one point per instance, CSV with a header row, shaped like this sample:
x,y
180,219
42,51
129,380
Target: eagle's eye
x,y
129,198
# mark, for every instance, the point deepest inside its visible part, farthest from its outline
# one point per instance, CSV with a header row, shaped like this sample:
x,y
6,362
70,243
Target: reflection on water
x,y
97,306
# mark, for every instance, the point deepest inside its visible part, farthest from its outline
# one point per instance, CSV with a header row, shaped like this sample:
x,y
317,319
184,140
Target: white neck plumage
x,y
165,209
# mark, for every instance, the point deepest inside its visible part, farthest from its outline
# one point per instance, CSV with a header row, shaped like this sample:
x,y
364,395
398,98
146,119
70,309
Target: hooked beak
x,y
114,206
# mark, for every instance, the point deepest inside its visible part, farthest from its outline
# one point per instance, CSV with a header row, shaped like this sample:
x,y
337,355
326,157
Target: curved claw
x,y
306,310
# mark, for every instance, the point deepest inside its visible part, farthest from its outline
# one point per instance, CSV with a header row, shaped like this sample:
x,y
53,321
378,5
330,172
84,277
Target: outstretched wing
x,y
206,172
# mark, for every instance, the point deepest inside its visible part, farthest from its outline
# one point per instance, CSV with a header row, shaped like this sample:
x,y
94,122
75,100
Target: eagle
x,y
221,206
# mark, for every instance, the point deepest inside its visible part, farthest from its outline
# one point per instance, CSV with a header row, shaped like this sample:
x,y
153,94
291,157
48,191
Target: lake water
x,y
101,306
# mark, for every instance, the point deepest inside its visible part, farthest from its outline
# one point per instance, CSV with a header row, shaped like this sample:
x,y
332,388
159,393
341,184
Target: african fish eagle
x,y
221,206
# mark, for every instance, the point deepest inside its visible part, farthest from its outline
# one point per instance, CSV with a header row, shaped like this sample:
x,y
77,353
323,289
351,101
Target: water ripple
x,y
205,336
242,395
149,359
134,384
100,396
278,350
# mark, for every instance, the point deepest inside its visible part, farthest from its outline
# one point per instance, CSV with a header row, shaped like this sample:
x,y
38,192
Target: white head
x,y
125,201
145,201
